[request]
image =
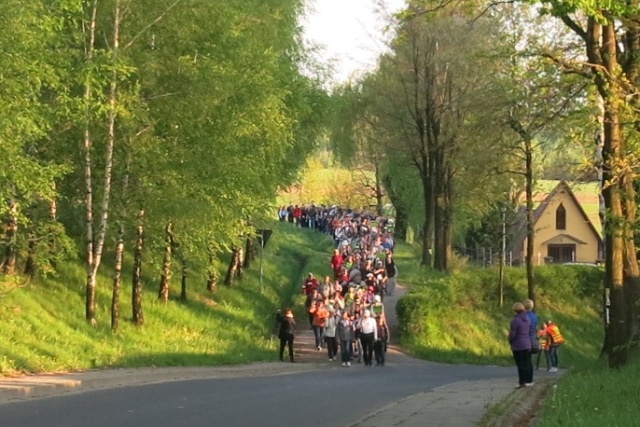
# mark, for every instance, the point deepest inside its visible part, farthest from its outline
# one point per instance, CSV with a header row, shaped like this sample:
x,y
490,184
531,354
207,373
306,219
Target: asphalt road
x,y
321,394
328,397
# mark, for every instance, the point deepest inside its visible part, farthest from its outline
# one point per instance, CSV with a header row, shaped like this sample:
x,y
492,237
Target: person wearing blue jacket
x,y
533,327
521,345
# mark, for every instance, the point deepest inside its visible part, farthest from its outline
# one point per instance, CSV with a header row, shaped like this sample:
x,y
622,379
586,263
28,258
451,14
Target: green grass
x,y
458,319
452,319
595,396
44,328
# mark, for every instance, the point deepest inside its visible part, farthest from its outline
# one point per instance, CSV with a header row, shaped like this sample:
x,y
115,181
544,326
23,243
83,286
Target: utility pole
x,y
503,253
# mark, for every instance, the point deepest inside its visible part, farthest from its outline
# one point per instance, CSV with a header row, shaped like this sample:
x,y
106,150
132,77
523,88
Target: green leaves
x,y
212,114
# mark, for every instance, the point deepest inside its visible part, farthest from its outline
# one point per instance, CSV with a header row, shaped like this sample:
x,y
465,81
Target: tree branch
x,y
151,24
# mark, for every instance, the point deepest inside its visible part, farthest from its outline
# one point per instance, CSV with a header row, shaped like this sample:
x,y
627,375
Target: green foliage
x,y
44,328
26,110
213,116
593,396
457,319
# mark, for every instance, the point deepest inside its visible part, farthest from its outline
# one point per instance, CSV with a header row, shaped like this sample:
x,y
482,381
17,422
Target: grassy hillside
x,y
457,319
44,327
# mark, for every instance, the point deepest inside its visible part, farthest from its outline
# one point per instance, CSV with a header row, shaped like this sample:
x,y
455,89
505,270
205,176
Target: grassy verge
x,y
457,319
44,327
595,396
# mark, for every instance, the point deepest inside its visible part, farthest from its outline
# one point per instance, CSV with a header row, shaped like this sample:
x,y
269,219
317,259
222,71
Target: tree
x,y
195,125
535,102
608,32
27,113
426,110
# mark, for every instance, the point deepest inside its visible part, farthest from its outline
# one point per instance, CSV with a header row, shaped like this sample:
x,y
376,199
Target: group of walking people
x,y
526,339
352,323
346,311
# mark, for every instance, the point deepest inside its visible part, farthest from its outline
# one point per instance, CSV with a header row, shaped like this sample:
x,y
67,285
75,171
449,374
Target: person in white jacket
x,y
368,336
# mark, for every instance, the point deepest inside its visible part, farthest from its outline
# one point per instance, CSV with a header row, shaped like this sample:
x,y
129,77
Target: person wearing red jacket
x,y
297,216
310,284
336,263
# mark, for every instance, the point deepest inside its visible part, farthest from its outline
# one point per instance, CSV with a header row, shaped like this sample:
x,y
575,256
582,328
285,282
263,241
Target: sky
x,y
349,34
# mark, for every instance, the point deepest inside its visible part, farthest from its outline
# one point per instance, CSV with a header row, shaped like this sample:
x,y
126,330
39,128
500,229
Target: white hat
x,y
367,313
377,298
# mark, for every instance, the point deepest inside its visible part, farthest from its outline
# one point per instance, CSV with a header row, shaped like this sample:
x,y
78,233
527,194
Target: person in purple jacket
x,y
521,345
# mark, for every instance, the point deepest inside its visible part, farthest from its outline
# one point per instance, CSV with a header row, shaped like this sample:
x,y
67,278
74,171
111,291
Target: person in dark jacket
x,y
380,345
285,332
521,345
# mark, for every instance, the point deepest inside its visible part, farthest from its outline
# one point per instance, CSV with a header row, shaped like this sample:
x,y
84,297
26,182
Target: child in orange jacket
x,y
554,340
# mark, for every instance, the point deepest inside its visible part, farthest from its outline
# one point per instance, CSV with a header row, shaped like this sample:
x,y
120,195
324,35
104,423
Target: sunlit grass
x,y
458,319
595,396
44,327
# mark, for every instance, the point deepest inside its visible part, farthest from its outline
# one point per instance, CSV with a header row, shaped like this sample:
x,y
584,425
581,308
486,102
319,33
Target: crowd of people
x,y
346,310
526,340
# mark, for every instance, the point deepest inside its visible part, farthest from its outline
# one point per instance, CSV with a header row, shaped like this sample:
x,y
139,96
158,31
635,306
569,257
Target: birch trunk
x,y
53,238
98,243
90,304
239,268
136,291
234,263
115,298
163,294
212,280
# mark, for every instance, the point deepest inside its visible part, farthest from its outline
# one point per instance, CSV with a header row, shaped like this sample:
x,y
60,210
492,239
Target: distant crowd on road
x,y
346,310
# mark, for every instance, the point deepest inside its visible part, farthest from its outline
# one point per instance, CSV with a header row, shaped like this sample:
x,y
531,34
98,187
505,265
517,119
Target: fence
x,y
484,257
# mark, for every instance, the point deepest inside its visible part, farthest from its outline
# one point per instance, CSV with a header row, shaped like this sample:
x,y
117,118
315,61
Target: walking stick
x,y
538,359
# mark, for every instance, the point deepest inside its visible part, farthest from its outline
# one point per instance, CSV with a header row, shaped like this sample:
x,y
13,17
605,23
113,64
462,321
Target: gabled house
x,y
563,231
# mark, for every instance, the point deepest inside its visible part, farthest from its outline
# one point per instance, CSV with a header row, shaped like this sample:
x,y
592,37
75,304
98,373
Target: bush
x,y
458,318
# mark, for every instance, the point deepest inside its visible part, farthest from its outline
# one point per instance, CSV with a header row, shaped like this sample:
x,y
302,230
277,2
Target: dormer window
x,y
561,218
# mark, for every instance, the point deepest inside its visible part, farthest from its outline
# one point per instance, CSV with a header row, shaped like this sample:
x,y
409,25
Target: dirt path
x,y
304,345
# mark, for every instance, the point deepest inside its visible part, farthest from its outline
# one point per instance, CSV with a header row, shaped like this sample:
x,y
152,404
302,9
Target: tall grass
x,y
458,319
595,396
44,327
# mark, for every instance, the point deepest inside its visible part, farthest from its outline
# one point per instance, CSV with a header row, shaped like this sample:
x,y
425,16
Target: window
x,y
562,253
561,218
